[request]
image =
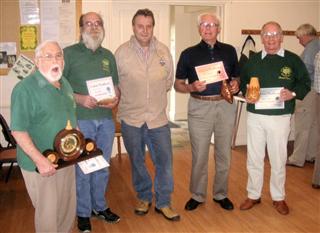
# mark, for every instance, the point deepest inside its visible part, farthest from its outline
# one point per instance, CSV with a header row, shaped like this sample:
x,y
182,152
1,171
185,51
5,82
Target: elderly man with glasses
x,y
41,105
208,112
283,77
84,61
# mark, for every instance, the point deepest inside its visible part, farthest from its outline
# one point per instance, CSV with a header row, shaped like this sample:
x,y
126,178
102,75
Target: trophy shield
x,y
69,143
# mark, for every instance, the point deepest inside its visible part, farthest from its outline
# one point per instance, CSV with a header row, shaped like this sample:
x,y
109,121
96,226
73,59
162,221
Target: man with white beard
x,y
84,61
41,105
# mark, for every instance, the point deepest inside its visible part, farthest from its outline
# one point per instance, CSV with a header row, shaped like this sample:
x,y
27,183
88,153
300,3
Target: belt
x,y
207,97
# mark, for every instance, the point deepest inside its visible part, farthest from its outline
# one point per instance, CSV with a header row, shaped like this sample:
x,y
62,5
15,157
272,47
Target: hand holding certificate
x,y
102,90
270,99
211,73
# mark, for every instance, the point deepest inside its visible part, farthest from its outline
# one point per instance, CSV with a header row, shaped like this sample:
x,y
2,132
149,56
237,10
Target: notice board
x,y
10,25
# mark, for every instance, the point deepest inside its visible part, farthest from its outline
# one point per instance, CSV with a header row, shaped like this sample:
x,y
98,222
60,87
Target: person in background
x,y
145,76
284,76
305,117
41,105
316,87
88,60
208,112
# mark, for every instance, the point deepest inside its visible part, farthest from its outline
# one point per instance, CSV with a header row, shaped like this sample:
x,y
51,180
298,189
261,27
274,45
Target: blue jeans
x,y
91,188
158,141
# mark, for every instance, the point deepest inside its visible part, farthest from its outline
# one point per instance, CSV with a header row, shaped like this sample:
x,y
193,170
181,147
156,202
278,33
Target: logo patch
x,y
285,73
106,65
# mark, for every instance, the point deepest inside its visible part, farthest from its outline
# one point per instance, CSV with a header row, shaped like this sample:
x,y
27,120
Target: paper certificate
x,y
93,164
270,99
211,73
101,89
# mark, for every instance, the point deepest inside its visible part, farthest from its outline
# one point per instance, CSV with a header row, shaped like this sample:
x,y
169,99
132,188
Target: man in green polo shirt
x,y
85,61
41,105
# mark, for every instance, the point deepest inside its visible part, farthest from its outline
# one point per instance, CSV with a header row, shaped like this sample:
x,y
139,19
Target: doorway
x,y
183,34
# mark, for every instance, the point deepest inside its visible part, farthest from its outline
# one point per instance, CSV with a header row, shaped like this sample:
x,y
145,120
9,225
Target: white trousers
x,y
272,131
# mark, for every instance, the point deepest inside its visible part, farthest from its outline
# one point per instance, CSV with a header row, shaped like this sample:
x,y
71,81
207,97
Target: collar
x,y
279,53
84,48
42,81
134,42
203,44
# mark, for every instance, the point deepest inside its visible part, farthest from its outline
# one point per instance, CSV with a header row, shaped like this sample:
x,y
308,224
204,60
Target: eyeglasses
x,y
93,24
209,25
268,35
51,57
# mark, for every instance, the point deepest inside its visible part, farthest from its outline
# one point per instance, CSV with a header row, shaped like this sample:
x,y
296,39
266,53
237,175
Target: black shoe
x,y
106,215
192,204
225,203
84,224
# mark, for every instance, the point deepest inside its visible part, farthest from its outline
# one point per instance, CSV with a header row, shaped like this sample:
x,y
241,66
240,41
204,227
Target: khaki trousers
x,y
54,199
205,118
316,171
306,130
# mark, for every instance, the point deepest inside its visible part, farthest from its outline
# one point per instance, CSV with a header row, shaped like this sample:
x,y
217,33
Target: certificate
x,y
93,164
101,89
270,99
211,73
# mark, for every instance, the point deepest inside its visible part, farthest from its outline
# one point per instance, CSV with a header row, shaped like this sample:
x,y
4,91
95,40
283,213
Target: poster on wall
x,y
29,12
22,68
28,38
58,20
8,51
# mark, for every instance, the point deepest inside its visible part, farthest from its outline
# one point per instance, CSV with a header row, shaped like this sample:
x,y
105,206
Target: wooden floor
x,y
16,211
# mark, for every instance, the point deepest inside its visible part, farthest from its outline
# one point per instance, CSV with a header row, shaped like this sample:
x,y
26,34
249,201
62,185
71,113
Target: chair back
x,y
8,151
6,132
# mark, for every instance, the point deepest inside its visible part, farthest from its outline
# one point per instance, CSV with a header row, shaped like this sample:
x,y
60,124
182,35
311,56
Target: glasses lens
x,y
50,57
208,25
271,35
93,24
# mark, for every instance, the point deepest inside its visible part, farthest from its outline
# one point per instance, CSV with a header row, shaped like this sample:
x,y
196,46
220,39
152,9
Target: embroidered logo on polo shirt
x,y
285,73
106,65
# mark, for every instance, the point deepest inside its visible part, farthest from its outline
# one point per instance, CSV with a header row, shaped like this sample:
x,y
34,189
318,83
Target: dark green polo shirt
x,y
82,64
42,110
277,71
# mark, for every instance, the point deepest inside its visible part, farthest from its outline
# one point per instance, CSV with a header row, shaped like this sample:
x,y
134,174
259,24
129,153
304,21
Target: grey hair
x,y
272,23
210,14
43,44
306,30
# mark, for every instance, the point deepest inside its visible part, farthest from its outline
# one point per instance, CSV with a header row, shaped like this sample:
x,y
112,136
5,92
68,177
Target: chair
x,y
118,133
8,151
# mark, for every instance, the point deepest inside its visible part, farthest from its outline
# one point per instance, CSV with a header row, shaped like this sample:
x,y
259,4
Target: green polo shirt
x,y
82,64
277,71
42,110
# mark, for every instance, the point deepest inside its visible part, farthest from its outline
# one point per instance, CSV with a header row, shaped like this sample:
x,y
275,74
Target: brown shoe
x,y
249,203
281,207
142,207
168,213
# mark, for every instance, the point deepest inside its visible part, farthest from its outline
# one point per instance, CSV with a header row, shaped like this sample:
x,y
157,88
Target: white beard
x,y
91,42
53,76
